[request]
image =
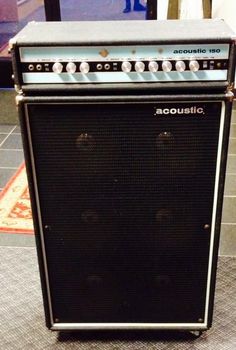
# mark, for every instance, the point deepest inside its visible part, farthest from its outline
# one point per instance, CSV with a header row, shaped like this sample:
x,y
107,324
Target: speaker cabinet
x,y
127,197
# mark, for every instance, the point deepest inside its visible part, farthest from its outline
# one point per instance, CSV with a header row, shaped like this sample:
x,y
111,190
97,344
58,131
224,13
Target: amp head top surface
x,y
124,32
128,53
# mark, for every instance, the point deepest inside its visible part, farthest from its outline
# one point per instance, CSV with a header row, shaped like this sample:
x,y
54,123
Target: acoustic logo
x,y
179,111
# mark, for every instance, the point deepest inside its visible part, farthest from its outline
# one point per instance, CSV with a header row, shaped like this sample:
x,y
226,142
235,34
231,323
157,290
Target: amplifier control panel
x,y
124,64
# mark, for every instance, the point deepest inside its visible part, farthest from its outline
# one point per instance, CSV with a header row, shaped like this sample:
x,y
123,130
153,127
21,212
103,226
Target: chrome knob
x,y
126,67
194,66
166,66
153,66
180,66
84,67
57,67
71,67
139,67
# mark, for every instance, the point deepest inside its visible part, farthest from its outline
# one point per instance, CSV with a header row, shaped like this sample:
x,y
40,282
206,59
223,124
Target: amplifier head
x,y
196,52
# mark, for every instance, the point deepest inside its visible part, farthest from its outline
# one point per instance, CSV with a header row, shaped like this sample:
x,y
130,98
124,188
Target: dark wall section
x,y
6,74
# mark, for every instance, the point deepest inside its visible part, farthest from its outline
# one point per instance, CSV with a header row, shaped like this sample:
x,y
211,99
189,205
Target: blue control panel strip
x,y
109,53
120,77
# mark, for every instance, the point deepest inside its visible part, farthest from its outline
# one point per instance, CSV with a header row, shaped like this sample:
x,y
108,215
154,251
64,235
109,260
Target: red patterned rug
x,y
15,209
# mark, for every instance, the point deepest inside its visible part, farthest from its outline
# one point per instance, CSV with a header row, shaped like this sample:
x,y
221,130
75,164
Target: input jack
x,y
107,66
99,66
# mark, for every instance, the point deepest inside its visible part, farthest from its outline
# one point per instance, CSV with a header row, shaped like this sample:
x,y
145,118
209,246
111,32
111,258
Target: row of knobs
x,y
126,67
166,66
71,67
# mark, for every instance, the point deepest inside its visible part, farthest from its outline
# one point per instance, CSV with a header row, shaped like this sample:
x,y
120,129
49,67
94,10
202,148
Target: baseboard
x,y
8,112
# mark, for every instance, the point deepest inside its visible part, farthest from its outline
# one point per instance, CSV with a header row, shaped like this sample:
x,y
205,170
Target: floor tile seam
x,y
16,247
9,167
13,127
7,136
229,223
11,149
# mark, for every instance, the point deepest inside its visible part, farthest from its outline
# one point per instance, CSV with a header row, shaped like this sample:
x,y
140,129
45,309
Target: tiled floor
x,y
11,153
11,156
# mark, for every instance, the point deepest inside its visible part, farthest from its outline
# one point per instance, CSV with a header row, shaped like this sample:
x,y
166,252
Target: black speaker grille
x,y
126,197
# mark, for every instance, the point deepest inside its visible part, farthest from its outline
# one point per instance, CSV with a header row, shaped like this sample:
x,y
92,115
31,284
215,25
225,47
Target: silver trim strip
x,y
100,326
213,222
39,214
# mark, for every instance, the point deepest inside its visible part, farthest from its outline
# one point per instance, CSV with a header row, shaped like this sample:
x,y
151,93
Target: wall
x,y
225,9
162,6
8,112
